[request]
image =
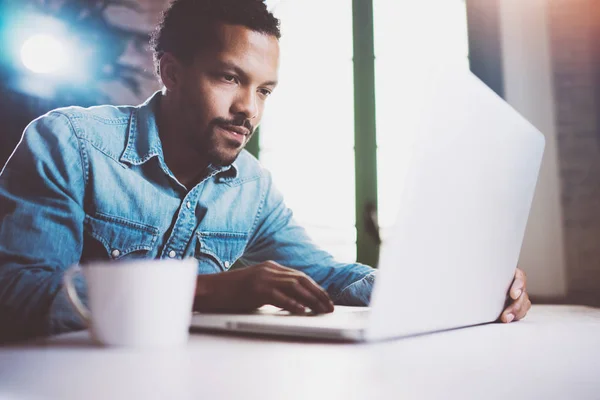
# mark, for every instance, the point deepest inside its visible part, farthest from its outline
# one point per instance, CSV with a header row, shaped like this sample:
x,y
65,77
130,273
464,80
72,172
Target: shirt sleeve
x,y
41,229
278,237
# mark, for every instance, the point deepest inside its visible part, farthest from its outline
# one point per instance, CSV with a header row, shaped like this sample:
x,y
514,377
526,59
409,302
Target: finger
x,y
517,288
326,305
519,284
325,301
280,299
524,307
512,311
294,289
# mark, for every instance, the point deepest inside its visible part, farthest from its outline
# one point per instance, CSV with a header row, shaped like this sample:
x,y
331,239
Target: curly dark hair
x,y
187,26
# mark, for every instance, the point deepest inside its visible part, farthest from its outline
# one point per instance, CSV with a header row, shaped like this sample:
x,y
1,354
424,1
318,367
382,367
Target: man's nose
x,y
245,103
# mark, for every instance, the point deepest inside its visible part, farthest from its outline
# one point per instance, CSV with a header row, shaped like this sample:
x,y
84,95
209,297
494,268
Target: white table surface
x,y
553,354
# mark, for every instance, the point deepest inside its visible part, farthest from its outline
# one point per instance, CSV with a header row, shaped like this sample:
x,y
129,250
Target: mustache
x,y
234,122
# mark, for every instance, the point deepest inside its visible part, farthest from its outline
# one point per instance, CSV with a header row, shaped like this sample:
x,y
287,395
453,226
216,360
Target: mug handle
x,y
74,299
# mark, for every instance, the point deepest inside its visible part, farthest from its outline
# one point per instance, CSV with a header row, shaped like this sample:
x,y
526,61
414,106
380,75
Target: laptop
x,y
449,260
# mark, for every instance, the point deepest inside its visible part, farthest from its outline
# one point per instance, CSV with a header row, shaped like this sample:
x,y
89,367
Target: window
x,y
408,35
307,133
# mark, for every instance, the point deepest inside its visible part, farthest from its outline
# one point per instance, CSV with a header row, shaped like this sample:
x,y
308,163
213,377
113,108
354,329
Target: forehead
x,y
254,52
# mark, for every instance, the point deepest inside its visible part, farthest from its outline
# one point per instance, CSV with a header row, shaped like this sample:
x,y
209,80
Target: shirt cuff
x,y
357,293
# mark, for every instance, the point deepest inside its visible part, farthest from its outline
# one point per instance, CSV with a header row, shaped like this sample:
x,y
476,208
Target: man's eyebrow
x,y
241,72
270,83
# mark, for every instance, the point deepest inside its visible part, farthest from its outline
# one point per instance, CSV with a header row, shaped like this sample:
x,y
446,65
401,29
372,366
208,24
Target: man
x,y
170,179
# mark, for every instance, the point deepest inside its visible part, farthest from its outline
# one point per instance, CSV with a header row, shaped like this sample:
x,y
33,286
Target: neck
x,y
180,156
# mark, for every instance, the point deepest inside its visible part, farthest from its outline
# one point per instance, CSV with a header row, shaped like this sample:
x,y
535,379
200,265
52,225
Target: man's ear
x,y
170,71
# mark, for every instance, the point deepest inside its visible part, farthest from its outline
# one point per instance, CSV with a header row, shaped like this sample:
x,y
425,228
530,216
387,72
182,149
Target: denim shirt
x,y
92,184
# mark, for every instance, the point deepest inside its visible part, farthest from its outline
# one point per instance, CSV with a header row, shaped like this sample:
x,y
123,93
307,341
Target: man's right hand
x,y
252,287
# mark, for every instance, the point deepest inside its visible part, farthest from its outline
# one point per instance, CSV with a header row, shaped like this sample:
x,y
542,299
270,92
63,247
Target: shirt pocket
x,y
120,237
218,251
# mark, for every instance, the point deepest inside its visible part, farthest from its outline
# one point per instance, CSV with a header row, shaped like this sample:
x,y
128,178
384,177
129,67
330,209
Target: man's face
x,y
222,93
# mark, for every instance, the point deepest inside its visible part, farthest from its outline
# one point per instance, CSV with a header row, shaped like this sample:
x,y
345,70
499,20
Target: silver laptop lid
x,y
467,193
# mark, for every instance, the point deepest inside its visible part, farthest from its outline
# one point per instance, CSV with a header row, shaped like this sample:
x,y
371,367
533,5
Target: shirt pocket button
x,y
227,264
115,253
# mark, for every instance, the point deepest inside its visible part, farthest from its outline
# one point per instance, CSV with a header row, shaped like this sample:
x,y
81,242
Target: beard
x,y
220,151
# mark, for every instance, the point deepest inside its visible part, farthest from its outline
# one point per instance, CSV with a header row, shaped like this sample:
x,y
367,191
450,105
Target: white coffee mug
x,y
144,303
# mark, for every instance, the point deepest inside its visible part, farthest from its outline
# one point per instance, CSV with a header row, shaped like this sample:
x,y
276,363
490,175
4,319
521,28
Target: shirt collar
x,y
143,140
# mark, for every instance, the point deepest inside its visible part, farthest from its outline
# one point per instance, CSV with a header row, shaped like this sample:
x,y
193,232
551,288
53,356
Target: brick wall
x,y
572,27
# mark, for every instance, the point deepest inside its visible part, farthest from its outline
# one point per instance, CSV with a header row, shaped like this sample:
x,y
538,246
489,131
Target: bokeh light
x,y
44,54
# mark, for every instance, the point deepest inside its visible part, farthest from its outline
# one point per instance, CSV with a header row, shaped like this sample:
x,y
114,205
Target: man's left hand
x,y
520,303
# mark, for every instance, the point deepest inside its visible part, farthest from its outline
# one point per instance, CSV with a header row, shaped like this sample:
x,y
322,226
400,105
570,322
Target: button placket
x,y
177,243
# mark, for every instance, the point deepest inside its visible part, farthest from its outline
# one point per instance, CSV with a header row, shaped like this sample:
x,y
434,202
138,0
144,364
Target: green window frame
x,y
365,146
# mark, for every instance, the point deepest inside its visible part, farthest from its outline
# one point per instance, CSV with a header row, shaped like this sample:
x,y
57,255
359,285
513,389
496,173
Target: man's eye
x,y
230,78
264,92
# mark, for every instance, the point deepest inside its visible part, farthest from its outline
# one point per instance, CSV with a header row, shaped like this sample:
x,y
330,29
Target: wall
x,y
528,87
574,26
551,66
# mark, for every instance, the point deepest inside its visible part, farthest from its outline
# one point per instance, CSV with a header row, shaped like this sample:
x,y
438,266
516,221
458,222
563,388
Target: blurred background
x,y
342,63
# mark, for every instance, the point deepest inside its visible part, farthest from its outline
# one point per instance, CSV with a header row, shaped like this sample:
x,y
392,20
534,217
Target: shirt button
x,y
227,264
188,205
172,254
115,253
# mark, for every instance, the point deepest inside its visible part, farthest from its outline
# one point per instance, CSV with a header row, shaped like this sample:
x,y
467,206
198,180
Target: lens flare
x,y
44,54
